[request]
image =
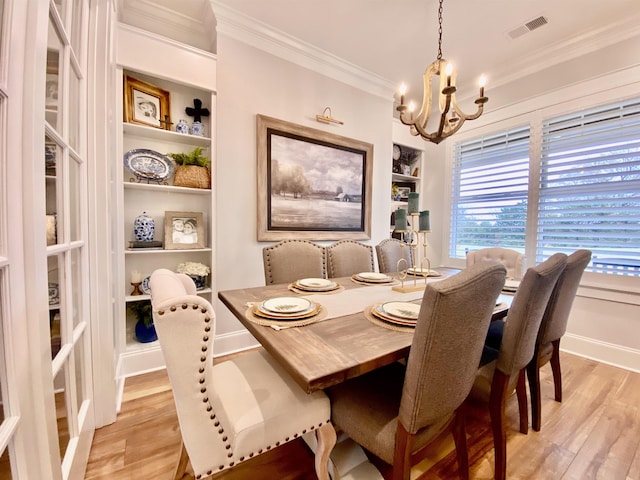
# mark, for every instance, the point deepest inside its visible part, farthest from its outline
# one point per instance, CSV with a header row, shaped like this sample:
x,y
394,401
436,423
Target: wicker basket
x,y
192,176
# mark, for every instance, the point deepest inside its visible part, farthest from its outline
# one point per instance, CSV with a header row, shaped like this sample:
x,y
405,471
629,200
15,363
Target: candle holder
x,y
136,288
413,238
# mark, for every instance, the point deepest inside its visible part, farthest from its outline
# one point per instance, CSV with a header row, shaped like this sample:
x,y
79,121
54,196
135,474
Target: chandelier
x,y
451,117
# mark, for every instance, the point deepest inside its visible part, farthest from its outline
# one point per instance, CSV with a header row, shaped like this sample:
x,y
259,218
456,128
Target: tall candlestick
x,y
414,202
401,219
424,221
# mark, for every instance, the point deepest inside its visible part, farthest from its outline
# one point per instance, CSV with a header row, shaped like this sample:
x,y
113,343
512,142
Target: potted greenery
x,y
192,169
145,330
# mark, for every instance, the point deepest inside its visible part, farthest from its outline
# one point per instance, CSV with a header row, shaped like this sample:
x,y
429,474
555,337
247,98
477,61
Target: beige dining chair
x,y
291,260
347,257
497,379
389,251
509,258
395,413
552,328
234,410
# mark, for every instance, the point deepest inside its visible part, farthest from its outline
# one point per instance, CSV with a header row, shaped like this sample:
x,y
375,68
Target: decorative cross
x,y
198,111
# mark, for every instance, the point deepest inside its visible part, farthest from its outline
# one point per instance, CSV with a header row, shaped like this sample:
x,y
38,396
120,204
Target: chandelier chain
x,y
440,30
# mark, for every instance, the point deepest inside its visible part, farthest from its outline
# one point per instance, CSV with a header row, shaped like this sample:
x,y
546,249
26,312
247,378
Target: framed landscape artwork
x,y
312,184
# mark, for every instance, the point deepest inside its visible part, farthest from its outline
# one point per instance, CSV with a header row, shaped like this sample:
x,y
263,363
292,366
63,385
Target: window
x,y
590,187
489,195
587,196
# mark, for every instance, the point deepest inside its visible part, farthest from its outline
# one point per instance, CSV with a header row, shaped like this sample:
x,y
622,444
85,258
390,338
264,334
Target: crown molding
x,y
257,34
576,46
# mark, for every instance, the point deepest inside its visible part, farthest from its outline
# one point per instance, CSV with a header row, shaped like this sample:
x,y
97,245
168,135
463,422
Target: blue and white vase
x,y
143,228
182,126
197,128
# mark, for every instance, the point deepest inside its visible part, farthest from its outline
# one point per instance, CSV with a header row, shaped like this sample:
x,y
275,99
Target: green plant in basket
x,y
194,157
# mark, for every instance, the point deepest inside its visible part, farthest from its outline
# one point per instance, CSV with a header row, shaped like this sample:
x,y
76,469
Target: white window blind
x,y
590,187
489,194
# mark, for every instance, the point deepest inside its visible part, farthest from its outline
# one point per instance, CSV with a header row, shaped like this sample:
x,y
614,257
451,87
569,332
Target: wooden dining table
x,y
328,352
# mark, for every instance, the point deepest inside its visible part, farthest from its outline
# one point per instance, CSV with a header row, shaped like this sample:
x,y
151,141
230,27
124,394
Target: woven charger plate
x,y
321,315
293,288
381,323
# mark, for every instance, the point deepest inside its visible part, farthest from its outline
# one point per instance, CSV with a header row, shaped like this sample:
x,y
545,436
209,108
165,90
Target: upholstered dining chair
x,y
395,412
509,258
552,328
346,257
291,260
236,409
389,251
497,379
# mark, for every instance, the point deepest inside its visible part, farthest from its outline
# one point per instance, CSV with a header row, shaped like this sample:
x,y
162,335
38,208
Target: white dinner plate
x,y
406,310
424,272
286,305
317,283
511,285
372,276
381,314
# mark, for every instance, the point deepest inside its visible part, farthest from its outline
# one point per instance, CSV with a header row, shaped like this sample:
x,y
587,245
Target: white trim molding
x,y
609,353
259,35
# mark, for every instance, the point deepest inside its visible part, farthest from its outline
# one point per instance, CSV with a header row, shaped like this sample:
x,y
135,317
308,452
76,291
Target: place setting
x,y
282,312
510,286
372,278
423,272
321,286
400,316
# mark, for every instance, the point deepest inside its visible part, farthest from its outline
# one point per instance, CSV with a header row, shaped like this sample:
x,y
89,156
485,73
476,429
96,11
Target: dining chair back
x,y
509,258
291,260
552,328
234,410
500,377
395,413
348,257
389,251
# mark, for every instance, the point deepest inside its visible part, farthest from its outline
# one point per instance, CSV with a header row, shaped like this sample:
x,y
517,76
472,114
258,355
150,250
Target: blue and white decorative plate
x,y
148,164
145,285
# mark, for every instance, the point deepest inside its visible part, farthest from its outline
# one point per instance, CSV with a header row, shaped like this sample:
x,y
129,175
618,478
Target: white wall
x,y
250,82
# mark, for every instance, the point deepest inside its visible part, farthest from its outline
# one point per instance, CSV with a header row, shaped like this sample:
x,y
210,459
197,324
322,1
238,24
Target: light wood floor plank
x,y
593,434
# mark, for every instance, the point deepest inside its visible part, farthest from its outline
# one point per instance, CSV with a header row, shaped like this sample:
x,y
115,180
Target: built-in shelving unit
x,y
136,197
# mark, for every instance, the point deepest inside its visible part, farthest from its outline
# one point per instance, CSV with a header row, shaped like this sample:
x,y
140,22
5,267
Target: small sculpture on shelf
x,y
197,112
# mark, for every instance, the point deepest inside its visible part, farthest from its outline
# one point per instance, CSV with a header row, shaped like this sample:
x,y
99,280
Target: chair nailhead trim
x,y
195,307
204,349
184,306
229,455
161,312
205,399
225,438
173,308
209,408
203,390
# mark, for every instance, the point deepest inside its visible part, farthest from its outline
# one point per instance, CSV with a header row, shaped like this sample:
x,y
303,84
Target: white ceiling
x,y
397,39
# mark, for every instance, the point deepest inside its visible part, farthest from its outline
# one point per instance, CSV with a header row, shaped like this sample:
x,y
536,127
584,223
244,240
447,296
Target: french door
x,y
45,349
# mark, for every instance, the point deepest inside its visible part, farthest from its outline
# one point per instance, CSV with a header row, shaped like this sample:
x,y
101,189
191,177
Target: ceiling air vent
x,y
527,27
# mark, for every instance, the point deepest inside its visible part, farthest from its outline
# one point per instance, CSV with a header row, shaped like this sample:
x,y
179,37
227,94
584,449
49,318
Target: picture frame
x,y
146,104
312,184
405,188
183,230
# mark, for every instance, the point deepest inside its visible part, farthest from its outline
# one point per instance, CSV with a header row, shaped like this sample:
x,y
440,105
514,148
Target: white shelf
x,y
165,135
156,251
166,188
398,177
139,298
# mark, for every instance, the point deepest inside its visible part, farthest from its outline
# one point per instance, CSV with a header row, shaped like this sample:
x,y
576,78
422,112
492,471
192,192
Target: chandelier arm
x,y
463,116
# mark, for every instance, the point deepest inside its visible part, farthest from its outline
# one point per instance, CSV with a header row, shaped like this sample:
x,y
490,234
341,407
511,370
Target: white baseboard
x,y
233,342
611,354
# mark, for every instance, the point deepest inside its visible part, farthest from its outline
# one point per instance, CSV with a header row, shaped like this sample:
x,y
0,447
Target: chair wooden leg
x,y
497,402
521,392
460,439
326,437
533,374
555,368
183,461
402,455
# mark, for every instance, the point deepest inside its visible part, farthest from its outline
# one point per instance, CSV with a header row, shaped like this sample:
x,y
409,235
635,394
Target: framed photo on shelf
x,y
146,104
312,184
405,188
183,230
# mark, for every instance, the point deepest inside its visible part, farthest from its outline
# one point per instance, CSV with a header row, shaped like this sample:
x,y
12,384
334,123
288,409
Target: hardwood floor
x,y
593,434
